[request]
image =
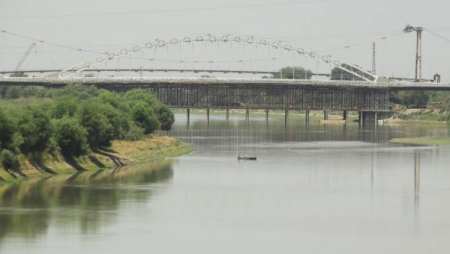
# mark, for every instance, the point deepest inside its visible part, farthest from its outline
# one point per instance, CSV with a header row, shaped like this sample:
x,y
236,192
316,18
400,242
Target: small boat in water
x,y
245,157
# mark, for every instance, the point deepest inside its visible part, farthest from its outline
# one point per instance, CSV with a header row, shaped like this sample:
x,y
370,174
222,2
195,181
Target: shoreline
x,y
120,154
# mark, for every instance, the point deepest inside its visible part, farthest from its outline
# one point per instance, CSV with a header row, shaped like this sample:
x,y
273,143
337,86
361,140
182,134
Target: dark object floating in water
x,y
245,157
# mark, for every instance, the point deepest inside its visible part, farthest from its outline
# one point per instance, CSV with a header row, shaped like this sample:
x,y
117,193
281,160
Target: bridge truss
x,y
214,39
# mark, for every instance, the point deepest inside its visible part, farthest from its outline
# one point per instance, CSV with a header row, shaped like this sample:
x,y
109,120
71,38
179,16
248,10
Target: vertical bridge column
x,y
286,118
207,116
325,115
307,115
361,118
345,115
247,117
188,116
227,115
267,117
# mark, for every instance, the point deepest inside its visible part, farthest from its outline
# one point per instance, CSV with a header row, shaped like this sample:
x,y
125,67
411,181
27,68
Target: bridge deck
x,y
123,81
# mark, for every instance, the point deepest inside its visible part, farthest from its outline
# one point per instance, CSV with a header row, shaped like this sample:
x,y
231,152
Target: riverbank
x,y
422,116
421,141
120,154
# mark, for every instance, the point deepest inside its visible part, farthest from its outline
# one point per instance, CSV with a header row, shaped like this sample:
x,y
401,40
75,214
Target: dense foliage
x,y
422,99
339,74
75,119
293,73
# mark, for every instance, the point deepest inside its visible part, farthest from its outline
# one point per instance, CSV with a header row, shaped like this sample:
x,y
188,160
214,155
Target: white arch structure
x,y
219,38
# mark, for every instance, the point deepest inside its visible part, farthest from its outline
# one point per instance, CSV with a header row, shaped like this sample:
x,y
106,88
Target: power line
x,y
437,35
171,10
49,43
363,43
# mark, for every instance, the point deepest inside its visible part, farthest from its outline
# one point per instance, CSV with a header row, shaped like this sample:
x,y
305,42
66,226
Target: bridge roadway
x,y
365,97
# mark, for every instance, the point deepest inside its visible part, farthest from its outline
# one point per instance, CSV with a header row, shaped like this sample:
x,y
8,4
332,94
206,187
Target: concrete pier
x,y
247,117
188,116
286,117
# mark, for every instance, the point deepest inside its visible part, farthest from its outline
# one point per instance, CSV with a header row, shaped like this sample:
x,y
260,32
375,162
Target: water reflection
x,y
416,190
85,201
233,133
340,184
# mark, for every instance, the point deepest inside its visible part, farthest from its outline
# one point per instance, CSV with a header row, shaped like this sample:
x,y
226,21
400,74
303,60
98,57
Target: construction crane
x,y
25,56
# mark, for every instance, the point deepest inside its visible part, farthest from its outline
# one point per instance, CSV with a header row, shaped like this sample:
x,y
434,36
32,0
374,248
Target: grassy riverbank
x,y
120,153
422,141
422,116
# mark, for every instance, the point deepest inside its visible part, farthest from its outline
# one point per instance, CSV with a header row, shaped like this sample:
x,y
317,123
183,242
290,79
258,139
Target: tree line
x,y
76,119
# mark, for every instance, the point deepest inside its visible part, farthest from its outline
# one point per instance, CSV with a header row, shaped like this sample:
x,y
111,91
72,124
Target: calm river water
x,y
314,189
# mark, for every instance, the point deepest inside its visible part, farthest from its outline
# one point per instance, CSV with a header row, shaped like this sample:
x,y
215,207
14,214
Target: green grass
x,y
422,141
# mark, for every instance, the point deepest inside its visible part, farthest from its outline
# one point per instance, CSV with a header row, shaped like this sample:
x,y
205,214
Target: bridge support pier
x,y
267,117
361,118
307,115
345,115
207,117
188,116
247,117
325,115
227,114
286,118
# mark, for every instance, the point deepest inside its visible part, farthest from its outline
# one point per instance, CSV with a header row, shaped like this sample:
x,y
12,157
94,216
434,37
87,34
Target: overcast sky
x,y
319,24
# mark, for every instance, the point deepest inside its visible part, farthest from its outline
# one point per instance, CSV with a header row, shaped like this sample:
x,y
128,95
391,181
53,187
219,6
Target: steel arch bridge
x,y
219,38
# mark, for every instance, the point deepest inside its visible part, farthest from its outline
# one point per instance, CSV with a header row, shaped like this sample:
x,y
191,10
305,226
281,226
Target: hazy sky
x,y
319,24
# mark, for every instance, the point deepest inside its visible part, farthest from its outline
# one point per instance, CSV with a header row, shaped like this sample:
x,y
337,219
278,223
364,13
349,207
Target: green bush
x,y
134,133
78,117
144,117
165,117
7,130
8,159
35,127
70,136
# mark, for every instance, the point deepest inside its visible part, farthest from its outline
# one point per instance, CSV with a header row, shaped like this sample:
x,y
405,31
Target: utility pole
x,y
374,63
418,30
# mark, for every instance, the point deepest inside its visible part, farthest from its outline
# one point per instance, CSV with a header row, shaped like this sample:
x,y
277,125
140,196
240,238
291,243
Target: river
x,y
314,189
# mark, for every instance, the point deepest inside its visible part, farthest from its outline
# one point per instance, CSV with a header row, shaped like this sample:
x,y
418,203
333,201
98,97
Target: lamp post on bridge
x,y
418,30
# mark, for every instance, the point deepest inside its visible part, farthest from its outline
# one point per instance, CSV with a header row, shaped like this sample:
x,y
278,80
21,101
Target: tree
x,y
165,117
7,130
12,92
7,159
140,95
35,128
18,75
66,107
92,117
413,98
293,73
339,74
144,117
71,137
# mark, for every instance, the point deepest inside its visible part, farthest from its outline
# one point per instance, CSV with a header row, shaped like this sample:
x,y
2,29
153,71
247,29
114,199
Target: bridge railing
x,y
213,81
